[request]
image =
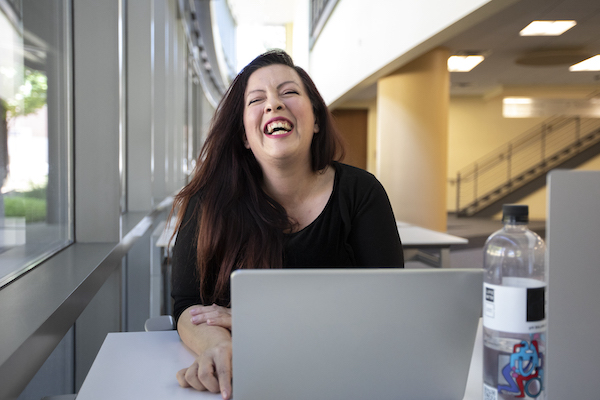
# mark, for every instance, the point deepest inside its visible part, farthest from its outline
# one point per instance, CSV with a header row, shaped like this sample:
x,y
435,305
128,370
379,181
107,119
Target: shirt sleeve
x,y
185,287
374,235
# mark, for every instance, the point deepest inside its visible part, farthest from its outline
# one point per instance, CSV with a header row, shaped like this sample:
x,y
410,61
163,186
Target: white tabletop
x,y
142,365
411,236
416,236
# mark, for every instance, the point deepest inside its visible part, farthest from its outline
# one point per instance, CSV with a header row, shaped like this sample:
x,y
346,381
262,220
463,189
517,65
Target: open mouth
x,y
278,127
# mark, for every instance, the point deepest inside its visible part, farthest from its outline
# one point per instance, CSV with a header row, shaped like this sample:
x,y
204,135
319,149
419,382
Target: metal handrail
x,y
521,160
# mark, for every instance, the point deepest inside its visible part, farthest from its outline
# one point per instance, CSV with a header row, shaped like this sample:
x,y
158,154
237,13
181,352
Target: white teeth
x,y
279,128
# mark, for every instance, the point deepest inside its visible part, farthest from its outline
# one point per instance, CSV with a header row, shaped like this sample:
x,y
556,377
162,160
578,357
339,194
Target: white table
x,y
415,239
142,365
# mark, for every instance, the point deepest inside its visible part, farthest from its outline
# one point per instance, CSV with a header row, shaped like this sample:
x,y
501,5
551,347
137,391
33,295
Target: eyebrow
x,y
278,87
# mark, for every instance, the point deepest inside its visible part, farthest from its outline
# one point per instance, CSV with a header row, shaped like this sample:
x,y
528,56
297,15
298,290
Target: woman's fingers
x,y
223,369
211,315
223,321
215,371
188,377
181,378
206,375
211,372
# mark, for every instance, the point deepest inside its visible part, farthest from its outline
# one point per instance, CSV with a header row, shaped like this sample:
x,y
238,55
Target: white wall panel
x,y
372,39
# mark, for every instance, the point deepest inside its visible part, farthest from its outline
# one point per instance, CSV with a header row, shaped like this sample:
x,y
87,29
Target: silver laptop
x,y
312,334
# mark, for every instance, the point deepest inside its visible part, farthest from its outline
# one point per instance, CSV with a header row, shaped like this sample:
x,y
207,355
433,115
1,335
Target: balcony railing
x,y
320,10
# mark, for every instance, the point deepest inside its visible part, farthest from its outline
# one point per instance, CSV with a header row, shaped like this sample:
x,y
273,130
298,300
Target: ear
x,y
246,144
316,130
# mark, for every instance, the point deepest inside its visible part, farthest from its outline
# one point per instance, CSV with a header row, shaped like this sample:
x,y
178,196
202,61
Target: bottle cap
x,y
515,213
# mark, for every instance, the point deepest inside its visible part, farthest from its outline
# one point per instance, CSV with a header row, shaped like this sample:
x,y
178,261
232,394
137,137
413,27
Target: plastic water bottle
x,y
514,310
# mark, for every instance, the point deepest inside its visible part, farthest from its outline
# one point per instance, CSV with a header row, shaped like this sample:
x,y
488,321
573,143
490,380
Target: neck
x,y
289,184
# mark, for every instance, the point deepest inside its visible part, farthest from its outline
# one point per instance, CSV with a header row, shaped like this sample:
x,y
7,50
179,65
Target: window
x,y
320,10
35,133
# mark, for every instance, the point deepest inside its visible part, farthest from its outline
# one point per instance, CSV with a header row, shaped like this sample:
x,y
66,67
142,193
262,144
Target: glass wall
x,y
35,133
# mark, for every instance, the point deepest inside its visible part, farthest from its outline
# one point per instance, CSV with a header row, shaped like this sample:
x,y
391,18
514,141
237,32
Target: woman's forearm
x,y
200,337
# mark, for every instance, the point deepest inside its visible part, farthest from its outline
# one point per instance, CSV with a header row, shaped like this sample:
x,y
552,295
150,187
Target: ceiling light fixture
x,y
463,63
547,28
517,100
591,64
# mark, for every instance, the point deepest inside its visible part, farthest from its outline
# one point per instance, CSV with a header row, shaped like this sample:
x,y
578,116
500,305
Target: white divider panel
x,y
573,240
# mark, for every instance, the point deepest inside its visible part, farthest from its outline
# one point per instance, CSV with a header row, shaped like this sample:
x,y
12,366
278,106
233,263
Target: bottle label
x,y
520,373
518,306
489,392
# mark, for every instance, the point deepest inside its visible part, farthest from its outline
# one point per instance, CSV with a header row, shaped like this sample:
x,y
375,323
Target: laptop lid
x,y
353,333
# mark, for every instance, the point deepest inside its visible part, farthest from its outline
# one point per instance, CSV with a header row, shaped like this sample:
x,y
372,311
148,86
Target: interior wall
x,y
371,106
353,126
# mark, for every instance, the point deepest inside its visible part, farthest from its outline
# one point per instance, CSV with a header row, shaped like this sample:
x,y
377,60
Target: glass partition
x,y
35,133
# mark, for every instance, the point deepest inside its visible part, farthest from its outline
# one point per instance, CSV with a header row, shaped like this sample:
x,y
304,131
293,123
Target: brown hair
x,y
239,226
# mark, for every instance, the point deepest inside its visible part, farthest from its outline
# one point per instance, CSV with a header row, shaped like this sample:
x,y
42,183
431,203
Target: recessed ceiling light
x,y
463,63
517,100
591,64
547,28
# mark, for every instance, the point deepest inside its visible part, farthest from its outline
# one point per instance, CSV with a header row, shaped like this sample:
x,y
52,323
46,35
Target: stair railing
x,y
521,160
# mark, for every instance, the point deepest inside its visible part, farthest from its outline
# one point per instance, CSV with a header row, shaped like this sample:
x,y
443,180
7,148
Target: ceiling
x,y
498,38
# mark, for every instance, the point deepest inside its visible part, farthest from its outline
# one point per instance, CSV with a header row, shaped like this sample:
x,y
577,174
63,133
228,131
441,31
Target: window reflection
x,y
34,133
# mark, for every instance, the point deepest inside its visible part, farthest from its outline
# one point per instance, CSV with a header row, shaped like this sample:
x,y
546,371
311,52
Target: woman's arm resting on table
x,y
212,368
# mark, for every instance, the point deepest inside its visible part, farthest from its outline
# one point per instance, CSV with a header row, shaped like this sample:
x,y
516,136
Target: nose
x,y
274,103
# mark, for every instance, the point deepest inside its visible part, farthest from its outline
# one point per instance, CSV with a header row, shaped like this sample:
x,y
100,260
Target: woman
x,y
268,193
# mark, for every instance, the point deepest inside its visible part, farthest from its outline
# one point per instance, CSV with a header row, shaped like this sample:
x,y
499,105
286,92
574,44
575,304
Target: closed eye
x,y
251,101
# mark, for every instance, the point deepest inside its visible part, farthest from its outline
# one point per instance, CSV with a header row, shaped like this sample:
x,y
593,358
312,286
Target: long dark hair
x,y
239,225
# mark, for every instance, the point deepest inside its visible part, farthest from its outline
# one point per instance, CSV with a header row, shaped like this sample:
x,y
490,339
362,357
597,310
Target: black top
x,y
356,228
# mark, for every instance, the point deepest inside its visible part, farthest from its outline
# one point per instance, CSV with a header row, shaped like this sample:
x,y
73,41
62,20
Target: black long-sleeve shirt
x,y
356,228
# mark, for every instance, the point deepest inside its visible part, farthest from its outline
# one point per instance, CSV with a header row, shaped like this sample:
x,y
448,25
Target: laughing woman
x,y
268,192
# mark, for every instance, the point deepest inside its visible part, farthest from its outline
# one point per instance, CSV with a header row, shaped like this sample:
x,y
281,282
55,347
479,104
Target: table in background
x,y
415,239
142,365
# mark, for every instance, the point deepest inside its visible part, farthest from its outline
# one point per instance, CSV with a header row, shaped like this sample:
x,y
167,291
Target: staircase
x,y
522,160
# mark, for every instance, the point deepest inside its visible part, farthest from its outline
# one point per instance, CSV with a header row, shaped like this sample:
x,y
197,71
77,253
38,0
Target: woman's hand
x,y
211,315
211,370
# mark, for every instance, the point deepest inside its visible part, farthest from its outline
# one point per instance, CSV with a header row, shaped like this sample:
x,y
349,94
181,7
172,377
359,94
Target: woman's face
x,y
279,121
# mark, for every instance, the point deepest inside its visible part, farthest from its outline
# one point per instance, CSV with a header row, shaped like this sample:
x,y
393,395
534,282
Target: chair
x,y
160,323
